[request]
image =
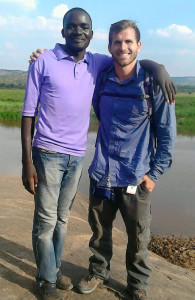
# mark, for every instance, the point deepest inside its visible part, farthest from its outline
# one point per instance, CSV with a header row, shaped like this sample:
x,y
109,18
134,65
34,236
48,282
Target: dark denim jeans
x,y
136,214
58,178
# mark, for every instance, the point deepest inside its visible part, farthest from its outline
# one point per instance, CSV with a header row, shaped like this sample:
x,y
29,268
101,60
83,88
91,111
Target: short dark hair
x,y
122,25
76,9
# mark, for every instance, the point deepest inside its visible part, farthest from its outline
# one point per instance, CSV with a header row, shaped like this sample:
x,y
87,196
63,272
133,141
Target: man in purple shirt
x,y
53,93
59,91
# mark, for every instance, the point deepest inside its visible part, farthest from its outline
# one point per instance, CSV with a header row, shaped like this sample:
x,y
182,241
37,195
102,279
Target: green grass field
x,y
11,102
185,113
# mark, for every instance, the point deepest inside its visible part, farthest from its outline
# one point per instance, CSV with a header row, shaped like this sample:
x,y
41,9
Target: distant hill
x,y
17,79
12,79
187,80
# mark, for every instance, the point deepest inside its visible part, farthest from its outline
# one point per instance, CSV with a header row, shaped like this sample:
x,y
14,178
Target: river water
x,y
173,199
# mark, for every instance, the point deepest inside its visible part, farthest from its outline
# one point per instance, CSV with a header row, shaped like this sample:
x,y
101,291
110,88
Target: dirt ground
x,y
177,250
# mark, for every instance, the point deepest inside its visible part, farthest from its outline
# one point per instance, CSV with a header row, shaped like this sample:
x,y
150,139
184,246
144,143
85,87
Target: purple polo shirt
x,y
59,90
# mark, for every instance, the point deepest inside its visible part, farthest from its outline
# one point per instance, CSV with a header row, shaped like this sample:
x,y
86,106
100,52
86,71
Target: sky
x,y
167,29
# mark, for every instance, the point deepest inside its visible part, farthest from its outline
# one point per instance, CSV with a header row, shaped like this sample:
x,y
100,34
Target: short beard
x,y
126,64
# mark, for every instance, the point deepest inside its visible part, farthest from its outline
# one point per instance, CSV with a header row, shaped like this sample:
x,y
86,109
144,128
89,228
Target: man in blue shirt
x,y
126,164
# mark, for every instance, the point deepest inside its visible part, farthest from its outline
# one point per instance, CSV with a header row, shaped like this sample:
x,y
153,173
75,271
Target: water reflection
x,y
173,210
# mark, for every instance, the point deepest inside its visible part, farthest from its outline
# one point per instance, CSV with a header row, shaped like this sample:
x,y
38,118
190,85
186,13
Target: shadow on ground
x,y
20,257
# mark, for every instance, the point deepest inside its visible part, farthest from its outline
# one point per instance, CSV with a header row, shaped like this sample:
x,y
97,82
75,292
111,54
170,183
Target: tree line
x,y
19,86
186,89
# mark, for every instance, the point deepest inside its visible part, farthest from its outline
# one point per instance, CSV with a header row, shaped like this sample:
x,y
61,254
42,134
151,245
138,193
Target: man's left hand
x,y
35,55
149,184
161,77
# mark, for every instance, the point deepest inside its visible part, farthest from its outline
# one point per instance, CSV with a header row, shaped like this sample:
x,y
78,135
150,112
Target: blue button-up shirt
x,y
125,142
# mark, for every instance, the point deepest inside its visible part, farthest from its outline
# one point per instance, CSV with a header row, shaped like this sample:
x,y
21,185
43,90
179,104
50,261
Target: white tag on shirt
x,y
131,189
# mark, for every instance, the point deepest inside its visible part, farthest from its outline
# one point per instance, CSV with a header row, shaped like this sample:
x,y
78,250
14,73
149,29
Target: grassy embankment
x,y
11,102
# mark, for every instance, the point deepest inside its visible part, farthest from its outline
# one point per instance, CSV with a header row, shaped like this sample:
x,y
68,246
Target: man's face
x,y
124,47
77,31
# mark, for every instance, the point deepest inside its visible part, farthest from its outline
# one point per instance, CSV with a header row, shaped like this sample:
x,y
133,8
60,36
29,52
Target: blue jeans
x,y
58,178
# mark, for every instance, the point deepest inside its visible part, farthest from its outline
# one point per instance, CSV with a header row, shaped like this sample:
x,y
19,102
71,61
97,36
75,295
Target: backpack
x,y
148,89
148,95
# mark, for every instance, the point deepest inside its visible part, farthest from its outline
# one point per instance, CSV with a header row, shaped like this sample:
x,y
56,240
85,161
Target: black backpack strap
x,y
102,77
102,83
149,96
148,89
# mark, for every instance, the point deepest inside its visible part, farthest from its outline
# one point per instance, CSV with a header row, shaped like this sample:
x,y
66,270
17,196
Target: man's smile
x,y
124,54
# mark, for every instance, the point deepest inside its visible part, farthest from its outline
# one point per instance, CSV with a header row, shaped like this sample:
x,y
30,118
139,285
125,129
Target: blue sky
x,y
167,29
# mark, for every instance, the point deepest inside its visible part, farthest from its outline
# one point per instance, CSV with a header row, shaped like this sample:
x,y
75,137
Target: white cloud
x,y
24,24
27,3
42,20
186,51
59,11
101,34
175,31
163,32
181,29
9,46
3,21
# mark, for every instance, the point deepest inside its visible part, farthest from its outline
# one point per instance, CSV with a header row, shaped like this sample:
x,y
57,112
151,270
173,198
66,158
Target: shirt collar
x,y
112,75
60,53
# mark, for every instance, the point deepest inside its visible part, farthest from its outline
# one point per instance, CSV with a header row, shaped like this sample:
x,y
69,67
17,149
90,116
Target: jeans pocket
x,y
143,188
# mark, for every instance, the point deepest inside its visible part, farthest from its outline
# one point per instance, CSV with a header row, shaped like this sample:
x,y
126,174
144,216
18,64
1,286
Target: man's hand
x,y
35,55
162,78
149,184
29,177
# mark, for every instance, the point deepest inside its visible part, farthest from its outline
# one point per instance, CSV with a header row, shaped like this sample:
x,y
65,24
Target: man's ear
x,y
139,46
62,32
109,49
91,34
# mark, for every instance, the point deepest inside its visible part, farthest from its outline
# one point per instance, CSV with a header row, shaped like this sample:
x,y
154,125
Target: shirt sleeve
x,y
33,90
164,127
103,62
